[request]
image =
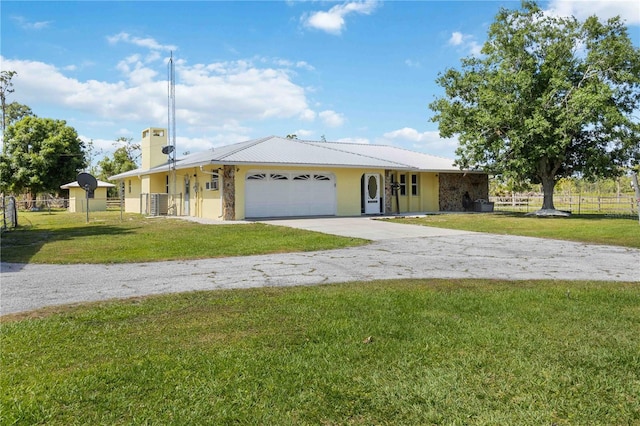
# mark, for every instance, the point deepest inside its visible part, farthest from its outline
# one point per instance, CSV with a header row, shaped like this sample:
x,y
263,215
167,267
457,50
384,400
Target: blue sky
x,y
357,71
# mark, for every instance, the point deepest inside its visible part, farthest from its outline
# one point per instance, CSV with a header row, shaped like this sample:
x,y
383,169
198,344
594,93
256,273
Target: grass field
x,y
406,352
597,229
402,352
62,237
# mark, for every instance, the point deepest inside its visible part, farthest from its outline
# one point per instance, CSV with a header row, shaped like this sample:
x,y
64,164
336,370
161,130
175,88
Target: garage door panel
x,y
275,194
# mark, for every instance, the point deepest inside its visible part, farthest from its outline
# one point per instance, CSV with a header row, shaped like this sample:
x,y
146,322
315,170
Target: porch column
x,y
229,193
387,192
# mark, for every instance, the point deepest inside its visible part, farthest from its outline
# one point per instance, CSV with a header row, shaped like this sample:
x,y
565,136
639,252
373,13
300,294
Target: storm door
x,y
371,194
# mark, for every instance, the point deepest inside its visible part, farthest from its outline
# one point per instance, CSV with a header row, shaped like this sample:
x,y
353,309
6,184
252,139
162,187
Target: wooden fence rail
x,y
578,204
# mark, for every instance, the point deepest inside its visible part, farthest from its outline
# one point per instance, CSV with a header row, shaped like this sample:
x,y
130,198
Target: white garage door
x,y
277,194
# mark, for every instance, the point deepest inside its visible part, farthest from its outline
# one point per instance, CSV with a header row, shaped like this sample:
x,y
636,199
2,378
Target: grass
x,y
473,352
402,352
62,237
596,229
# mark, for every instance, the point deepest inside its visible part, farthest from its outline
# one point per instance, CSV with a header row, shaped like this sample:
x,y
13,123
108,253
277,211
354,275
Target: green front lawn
x,y
597,229
420,352
62,237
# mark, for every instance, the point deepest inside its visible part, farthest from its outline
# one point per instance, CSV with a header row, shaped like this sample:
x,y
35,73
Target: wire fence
x,y
577,204
9,213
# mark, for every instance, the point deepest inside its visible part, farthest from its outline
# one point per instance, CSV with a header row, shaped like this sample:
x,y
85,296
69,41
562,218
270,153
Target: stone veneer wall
x,y
454,185
388,209
229,193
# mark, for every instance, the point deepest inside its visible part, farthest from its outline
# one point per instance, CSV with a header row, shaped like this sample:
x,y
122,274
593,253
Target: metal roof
x,y
277,151
101,184
411,159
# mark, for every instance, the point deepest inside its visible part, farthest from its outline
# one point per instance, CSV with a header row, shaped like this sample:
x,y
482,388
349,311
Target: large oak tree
x,y
40,155
548,97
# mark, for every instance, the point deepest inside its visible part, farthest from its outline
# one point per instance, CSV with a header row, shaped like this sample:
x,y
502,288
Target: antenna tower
x,y
171,128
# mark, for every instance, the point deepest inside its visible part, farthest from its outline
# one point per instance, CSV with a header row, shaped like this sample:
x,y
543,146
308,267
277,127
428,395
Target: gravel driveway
x,y
395,253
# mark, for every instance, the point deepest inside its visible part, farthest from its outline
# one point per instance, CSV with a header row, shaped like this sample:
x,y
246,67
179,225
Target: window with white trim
x,y
213,184
414,184
403,184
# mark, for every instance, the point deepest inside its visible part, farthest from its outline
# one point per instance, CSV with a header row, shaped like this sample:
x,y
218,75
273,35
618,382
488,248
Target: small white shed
x,y
78,197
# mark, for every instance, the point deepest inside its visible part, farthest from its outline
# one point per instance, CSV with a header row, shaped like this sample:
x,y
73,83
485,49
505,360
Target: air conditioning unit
x,y
159,204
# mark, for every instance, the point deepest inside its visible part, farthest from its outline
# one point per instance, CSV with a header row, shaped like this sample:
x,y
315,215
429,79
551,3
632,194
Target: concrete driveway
x,y
368,228
397,251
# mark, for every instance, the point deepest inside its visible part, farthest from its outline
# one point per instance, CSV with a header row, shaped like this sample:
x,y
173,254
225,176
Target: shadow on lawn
x,y
21,244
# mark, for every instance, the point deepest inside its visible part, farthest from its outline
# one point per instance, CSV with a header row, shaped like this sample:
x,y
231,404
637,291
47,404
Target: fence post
x,y
579,202
636,187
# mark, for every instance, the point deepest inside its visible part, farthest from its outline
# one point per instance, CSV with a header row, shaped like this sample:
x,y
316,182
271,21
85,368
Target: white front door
x,y
372,194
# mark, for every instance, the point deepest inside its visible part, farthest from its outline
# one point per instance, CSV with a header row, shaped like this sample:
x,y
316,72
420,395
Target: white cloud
x,y
466,42
26,25
412,64
629,11
333,21
290,64
303,133
331,118
100,146
475,48
428,142
456,39
363,141
208,96
307,115
148,42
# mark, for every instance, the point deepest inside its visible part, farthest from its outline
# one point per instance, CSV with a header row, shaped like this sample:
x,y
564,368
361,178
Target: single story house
x,y
281,177
78,197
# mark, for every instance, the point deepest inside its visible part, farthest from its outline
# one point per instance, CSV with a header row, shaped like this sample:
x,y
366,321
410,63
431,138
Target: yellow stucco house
x,y
78,197
280,177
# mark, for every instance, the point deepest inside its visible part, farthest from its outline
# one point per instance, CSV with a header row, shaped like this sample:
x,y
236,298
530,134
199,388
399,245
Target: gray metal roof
x,y
411,159
101,184
274,151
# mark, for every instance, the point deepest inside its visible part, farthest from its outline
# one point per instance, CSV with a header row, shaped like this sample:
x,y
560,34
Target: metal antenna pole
x,y
172,129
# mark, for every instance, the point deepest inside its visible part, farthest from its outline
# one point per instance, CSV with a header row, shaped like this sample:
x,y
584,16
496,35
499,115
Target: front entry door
x,y
372,194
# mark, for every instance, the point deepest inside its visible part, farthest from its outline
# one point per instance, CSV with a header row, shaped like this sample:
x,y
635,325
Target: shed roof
x,y
274,150
101,184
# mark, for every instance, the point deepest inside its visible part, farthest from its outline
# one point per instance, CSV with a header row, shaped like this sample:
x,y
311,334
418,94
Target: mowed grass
x,y
475,352
420,352
65,238
596,229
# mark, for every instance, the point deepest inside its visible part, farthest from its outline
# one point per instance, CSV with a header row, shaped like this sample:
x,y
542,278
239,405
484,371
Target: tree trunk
x,y
548,184
547,169
29,200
